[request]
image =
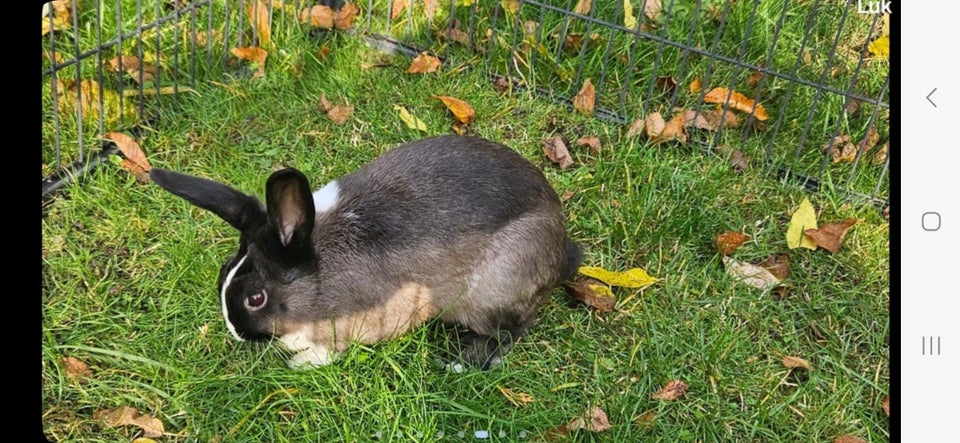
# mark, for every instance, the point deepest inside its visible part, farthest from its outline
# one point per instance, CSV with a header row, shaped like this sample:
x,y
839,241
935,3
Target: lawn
x,y
130,271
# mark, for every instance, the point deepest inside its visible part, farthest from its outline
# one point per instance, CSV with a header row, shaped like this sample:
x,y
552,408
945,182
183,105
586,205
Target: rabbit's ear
x,y
240,210
290,206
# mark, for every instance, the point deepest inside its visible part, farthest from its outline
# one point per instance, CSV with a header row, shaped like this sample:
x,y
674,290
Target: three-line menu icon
x,y
930,345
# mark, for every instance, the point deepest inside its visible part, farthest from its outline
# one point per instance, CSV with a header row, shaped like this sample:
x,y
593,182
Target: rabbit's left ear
x,y
290,206
243,212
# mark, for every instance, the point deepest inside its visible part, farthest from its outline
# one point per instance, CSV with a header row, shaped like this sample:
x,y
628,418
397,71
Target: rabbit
x,y
456,227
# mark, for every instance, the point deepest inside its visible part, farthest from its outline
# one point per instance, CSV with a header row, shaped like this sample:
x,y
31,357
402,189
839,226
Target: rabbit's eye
x,y
257,300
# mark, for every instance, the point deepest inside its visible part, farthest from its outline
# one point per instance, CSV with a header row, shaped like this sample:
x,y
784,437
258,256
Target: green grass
x,y
129,277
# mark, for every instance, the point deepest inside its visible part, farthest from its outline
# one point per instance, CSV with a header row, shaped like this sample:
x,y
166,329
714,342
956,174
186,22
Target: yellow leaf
x,y
519,399
880,47
460,109
804,218
629,20
633,278
411,121
511,6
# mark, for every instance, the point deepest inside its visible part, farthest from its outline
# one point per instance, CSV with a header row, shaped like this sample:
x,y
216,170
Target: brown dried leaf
x,y
840,148
455,35
86,96
460,109
869,140
778,265
319,16
593,420
583,7
398,7
567,195
132,66
695,86
714,117
126,415
501,85
886,213
593,293
76,369
518,399
696,119
423,64
849,439
343,18
653,125
134,160
556,150
739,162
880,155
254,54
886,405
62,16
795,362
259,16
673,130
830,236
737,101
754,79
671,391
637,127
592,141
646,419
585,100
667,84
652,9
751,274
729,241
338,114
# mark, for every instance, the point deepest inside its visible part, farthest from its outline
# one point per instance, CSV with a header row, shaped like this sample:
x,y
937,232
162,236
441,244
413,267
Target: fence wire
x,y
809,65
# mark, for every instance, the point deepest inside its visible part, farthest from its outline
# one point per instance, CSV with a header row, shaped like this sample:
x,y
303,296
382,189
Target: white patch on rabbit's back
x,y
223,298
317,343
326,197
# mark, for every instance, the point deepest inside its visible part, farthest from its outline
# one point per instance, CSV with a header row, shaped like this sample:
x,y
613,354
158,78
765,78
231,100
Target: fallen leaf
x,y
671,391
653,125
585,100
511,6
593,420
840,149
697,120
254,54
133,67
880,155
583,7
429,8
593,293
869,140
637,127
338,114
778,265
567,195
739,161
410,120
673,130
629,20
423,64
631,278
666,83
652,9
86,96
454,34
460,109
501,85
695,86
76,369
398,7
62,16
460,128
736,101
805,217
343,18
880,48
795,362
556,150
646,419
886,405
319,16
830,236
126,415
718,117
592,141
143,440
134,160
729,241
518,399
849,439
750,274
754,79
259,15
886,213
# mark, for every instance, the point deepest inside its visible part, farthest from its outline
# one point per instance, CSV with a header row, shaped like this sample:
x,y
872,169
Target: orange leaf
x,y
397,8
886,405
460,109
795,362
737,101
423,63
76,369
673,130
830,235
671,391
259,16
254,54
336,113
585,100
695,86
343,19
318,16
729,241
134,160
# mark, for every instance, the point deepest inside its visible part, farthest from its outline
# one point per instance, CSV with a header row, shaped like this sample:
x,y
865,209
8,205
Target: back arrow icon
x,y
928,97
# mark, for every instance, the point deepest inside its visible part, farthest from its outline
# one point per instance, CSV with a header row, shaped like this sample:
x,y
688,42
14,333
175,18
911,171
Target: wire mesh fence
x,y
808,82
